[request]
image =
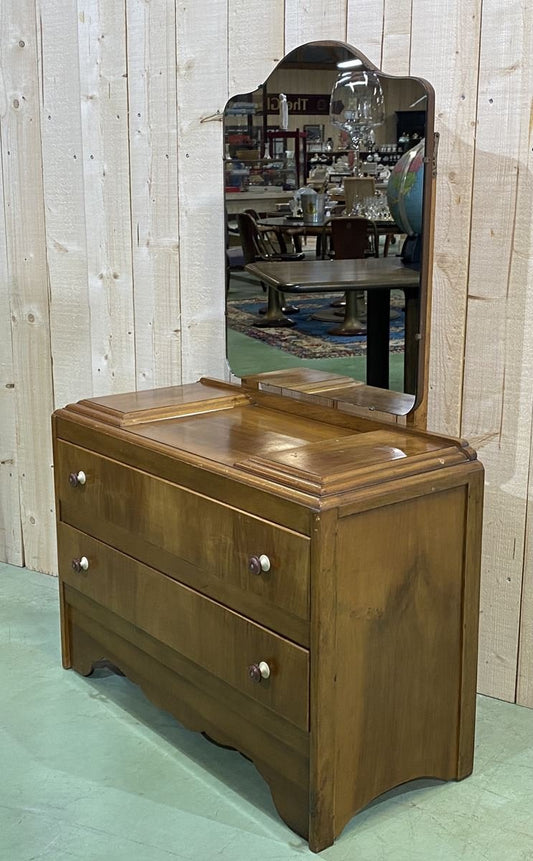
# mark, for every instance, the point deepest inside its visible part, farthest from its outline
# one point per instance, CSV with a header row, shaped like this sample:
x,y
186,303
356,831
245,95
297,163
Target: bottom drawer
x,y
215,638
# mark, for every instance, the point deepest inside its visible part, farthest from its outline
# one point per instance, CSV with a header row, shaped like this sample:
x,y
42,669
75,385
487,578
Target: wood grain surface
x,y
365,625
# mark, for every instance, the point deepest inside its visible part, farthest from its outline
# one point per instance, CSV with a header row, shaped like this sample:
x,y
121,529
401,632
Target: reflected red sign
x,y
300,103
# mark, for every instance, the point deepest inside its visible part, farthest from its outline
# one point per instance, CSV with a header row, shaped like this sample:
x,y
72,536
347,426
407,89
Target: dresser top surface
x,y
300,445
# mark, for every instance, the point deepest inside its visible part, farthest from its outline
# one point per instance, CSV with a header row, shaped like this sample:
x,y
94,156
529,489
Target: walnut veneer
x,y
366,619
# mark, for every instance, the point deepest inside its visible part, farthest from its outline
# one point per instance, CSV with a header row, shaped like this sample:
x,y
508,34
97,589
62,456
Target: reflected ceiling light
x,y
421,99
350,64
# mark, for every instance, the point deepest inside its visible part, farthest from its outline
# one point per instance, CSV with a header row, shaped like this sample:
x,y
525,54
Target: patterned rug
x,y
308,338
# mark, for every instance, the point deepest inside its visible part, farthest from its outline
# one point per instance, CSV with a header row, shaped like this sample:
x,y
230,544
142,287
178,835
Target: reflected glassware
x,y
294,204
374,207
356,106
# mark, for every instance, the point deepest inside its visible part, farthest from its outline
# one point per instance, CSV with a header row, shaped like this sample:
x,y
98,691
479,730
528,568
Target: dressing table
x,y
282,572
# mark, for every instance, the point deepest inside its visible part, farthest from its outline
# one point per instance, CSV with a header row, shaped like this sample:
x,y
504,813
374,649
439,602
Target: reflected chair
x,y
351,238
262,245
234,261
234,254
277,238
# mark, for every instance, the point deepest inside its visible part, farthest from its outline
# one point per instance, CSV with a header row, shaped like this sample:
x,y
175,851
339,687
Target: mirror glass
x,y
327,199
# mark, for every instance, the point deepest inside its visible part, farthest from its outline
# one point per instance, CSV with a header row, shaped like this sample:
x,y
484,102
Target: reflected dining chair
x,y
261,245
351,237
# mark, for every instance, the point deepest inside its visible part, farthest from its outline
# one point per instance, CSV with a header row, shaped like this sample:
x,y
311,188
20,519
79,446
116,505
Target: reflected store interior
x,y
326,139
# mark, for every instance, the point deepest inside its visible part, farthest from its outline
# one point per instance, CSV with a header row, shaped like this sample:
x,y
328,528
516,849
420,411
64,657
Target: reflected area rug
x,y
309,339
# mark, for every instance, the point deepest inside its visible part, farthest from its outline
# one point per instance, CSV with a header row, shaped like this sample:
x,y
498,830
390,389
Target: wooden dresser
x,y
295,582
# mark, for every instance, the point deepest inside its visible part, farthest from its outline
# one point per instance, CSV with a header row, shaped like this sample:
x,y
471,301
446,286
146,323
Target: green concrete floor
x,y
89,769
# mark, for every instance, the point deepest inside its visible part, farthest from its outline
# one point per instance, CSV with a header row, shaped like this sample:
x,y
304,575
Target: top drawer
x,y
206,544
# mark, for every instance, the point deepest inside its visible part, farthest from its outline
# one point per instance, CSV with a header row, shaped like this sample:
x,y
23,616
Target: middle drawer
x,y
201,542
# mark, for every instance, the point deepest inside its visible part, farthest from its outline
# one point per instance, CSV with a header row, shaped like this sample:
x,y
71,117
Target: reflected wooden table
x,y
287,223
289,226
377,276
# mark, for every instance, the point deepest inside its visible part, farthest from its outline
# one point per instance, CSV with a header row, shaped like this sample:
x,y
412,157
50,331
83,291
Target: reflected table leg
x,y
274,316
412,339
351,325
378,336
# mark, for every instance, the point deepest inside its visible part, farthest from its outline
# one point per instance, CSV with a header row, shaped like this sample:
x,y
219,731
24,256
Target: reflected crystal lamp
x,y
356,106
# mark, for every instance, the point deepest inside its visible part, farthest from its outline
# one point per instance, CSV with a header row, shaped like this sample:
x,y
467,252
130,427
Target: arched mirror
x,y
328,185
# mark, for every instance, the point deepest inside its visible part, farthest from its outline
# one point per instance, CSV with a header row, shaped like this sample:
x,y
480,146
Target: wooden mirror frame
x,y
371,402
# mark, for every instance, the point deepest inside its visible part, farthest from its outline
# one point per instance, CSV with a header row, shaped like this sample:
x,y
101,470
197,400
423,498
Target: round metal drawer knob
x,y
259,564
258,672
77,478
80,565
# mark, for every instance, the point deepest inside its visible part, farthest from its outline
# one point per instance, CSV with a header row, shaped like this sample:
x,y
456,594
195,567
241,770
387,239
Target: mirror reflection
x,y
324,206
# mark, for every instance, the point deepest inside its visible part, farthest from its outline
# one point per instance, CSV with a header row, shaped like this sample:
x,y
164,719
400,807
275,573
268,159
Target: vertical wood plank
x,y
253,52
28,279
396,51
151,46
10,533
66,226
452,31
202,92
497,392
154,190
105,159
365,28
314,21
522,277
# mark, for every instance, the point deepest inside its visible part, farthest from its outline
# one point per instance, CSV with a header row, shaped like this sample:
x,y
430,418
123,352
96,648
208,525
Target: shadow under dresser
x,y
297,583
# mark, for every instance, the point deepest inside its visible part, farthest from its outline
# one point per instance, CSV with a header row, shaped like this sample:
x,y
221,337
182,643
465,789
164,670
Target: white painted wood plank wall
x,y
111,258
27,279
10,526
496,408
153,120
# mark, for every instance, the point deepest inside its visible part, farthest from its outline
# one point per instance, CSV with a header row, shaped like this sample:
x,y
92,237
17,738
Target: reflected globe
x,y
405,190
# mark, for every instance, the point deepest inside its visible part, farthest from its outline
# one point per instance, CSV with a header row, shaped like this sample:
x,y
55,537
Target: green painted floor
x,y
89,769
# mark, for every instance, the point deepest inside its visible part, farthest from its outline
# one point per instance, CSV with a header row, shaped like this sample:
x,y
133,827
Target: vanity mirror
x,y
316,310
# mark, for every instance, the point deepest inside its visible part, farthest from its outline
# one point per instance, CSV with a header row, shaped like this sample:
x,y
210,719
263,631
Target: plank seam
x,y
471,209
411,37
521,620
130,174
382,35
40,71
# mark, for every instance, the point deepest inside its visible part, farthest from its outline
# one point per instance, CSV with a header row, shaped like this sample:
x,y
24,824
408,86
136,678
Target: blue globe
x,y
405,190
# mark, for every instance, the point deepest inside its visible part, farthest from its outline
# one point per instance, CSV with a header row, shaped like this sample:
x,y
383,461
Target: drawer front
x,y
220,641
196,540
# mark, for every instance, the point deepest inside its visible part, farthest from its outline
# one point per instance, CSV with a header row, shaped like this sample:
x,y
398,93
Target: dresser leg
x,y
84,651
291,801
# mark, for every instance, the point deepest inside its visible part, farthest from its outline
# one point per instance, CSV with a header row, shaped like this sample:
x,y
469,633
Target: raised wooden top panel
x,y
247,432
170,402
